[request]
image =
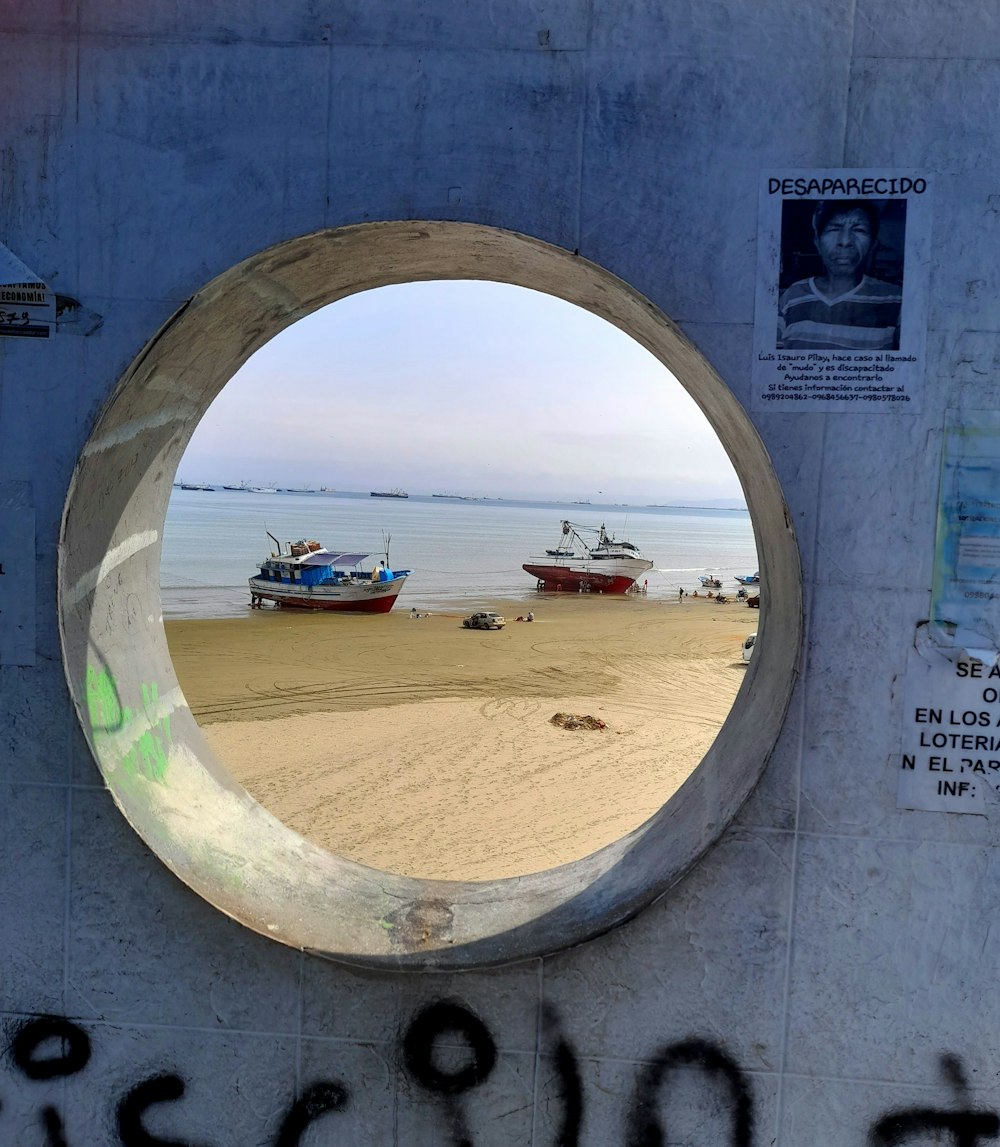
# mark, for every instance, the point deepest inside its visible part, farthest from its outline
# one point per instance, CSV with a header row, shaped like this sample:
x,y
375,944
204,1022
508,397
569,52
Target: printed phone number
x,y
812,396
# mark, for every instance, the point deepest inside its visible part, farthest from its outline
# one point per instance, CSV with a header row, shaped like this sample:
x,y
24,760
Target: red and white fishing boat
x,y
308,576
603,566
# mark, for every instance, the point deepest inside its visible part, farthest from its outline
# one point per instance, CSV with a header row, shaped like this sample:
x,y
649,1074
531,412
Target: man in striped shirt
x,y
842,309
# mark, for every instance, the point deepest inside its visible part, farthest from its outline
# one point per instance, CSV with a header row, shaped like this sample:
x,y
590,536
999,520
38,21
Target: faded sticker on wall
x,y
841,301
965,595
27,306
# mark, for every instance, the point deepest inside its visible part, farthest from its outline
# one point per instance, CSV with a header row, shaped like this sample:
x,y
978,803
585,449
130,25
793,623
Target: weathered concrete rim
x,y
150,750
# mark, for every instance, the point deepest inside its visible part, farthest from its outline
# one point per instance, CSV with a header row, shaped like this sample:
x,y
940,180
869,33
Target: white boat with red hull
x,y
309,576
603,566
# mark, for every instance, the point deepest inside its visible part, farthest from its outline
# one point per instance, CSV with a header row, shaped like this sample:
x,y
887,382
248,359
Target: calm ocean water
x,y
461,553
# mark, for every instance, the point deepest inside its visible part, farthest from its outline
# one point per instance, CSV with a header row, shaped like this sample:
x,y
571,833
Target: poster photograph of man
x,y
840,309
841,274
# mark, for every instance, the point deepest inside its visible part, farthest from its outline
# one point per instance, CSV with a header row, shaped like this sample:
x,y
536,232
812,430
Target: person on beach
x,y
844,308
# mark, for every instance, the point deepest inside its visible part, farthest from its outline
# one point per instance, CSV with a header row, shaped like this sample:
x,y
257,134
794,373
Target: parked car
x,y
484,621
748,645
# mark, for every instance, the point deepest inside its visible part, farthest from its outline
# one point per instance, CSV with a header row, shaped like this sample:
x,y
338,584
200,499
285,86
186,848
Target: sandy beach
x,y
420,747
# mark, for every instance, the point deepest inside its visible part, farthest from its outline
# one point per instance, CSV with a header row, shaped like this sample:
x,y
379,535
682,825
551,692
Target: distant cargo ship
x,y
394,493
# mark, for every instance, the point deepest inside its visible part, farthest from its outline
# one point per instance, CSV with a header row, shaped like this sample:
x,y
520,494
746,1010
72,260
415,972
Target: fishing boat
x,y
749,579
393,493
306,575
197,486
711,582
602,566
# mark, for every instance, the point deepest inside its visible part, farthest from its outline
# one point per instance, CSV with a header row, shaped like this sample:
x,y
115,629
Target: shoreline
x,y
421,747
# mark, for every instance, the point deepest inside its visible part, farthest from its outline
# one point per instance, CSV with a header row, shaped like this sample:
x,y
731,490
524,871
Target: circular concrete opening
x,y
151,751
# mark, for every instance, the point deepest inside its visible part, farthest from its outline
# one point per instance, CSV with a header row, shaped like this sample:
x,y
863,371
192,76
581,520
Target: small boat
x,y
306,575
243,488
711,582
393,493
197,486
749,579
603,566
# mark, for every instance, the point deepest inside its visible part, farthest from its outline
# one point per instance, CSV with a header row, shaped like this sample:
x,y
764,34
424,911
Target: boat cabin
x,y
308,563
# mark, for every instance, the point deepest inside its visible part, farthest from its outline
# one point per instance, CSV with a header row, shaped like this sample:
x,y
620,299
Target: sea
x,y
464,553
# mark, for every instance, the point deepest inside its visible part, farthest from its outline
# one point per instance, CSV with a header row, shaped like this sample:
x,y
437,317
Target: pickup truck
x,y
484,621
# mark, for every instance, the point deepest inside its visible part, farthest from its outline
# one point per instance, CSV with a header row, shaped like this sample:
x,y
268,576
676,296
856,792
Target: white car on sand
x,y
485,621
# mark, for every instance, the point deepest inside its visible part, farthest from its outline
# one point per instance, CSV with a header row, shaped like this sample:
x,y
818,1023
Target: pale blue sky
x,y
474,388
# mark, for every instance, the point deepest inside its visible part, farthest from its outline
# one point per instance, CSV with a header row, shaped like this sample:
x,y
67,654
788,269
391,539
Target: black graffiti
x,y
438,1019
569,1084
159,1089
644,1127
446,1032
52,1122
31,1036
419,1050
316,1101
966,1126
74,1055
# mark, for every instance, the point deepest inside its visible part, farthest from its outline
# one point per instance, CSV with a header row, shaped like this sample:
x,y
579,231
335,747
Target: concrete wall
x,y
825,972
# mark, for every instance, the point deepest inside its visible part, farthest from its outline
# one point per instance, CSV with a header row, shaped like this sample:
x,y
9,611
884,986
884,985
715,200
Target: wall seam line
x,y
796,833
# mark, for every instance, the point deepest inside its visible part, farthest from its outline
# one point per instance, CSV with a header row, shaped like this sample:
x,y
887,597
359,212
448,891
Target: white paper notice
x,y
841,301
950,742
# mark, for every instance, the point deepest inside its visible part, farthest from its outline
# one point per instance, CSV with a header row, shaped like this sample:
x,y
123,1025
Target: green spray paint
x,y
147,753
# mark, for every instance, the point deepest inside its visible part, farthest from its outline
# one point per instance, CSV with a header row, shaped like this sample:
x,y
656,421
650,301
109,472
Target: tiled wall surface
x,y
825,973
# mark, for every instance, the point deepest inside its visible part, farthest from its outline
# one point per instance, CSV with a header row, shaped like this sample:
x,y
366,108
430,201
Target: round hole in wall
x,y
151,751
430,750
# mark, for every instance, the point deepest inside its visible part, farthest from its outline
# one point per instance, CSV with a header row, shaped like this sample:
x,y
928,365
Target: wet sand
x,y
420,747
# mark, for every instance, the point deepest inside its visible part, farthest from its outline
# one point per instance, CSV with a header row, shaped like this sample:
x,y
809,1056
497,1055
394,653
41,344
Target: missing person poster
x,y
841,302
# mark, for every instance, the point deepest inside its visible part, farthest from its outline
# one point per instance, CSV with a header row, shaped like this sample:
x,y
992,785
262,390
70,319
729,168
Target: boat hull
x,y
360,597
582,578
